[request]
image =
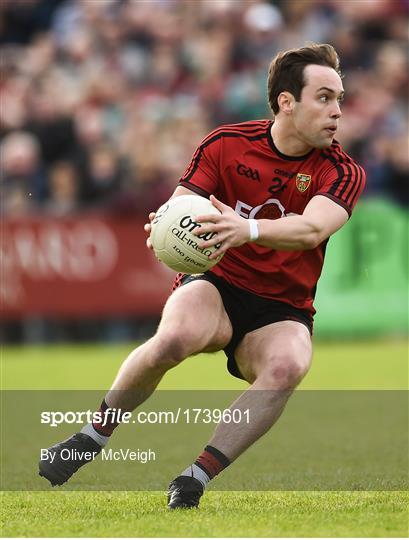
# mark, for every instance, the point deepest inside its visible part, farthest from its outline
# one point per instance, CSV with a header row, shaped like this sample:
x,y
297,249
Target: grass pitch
x,y
59,513
221,514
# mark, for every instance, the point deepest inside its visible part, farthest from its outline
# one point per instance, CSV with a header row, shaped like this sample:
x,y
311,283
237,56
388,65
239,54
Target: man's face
x,y
317,113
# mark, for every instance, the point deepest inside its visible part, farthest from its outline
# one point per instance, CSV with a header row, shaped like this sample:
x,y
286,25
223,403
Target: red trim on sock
x,y
210,464
110,419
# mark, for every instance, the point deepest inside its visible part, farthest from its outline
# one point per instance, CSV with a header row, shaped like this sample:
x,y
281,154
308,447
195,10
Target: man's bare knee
x,y
284,372
169,348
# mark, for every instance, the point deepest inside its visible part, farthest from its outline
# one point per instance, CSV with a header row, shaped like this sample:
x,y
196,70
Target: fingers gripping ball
x,y
172,238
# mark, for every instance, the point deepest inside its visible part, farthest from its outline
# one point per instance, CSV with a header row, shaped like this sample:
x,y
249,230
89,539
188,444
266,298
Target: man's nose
x,y
336,113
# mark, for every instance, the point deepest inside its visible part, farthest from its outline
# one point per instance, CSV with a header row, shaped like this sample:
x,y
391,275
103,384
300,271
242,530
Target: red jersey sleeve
x,y
202,174
343,183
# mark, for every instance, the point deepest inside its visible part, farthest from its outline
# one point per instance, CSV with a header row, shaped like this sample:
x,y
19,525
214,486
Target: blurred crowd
x,y
104,101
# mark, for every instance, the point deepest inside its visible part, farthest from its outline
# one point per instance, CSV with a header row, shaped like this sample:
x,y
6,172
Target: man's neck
x,y
287,142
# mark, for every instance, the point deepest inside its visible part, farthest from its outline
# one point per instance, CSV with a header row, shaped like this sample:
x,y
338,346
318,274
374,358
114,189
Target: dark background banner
x,y
79,266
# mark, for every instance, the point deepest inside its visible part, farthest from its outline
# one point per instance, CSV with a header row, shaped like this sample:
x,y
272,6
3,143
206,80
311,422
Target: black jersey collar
x,y
280,154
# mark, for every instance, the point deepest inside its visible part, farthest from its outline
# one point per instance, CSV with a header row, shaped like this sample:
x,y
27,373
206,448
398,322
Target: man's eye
x,y
324,99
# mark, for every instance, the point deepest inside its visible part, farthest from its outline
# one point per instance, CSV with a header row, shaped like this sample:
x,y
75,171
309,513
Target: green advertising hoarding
x,y
364,286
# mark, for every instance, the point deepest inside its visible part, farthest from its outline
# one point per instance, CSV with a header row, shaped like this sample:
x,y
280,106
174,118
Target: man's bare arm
x,y
321,218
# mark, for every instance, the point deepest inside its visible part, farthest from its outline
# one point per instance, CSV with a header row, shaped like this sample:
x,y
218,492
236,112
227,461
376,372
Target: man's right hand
x,y
148,227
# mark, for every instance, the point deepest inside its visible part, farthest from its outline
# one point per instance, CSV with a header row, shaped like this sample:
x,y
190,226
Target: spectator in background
x,y
22,178
397,170
63,189
50,120
102,175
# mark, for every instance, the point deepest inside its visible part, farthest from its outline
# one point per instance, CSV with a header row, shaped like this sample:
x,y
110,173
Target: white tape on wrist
x,y
253,229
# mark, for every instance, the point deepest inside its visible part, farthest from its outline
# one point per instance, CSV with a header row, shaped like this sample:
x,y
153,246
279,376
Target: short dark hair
x,y
286,71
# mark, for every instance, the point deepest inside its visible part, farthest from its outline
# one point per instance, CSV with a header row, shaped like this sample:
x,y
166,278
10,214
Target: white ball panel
x,y
172,238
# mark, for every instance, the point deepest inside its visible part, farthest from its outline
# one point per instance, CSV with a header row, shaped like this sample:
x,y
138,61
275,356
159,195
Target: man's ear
x,y
286,102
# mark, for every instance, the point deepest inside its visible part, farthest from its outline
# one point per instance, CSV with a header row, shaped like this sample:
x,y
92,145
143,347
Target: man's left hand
x,y
231,229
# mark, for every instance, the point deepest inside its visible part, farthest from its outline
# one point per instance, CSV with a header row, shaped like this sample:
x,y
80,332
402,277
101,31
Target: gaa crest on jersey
x,y
302,182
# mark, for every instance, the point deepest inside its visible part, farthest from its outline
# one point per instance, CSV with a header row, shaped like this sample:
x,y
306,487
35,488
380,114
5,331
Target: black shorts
x,y
247,312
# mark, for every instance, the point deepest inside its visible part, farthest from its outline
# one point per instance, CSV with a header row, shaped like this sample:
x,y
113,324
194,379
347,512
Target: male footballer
x,y
283,187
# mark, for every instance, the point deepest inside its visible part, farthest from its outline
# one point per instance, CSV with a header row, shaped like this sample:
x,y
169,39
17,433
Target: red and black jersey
x,y
242,167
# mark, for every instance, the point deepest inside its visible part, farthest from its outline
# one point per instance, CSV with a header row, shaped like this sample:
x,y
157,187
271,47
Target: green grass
x,y
227,514
57,513
348,365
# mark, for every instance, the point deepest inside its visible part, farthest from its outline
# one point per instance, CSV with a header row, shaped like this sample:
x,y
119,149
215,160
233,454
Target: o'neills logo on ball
x,y
188,225
303,182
